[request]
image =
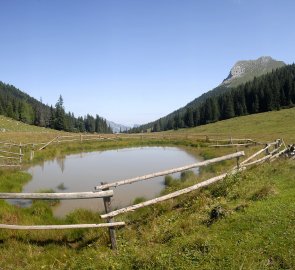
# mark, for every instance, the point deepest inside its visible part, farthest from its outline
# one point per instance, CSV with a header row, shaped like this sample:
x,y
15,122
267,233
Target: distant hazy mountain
x,y
117,127
242,72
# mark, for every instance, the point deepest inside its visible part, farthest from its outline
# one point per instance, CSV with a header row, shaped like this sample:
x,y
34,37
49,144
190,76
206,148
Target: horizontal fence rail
x,y
175,170
232,145
13,153
60,227
105,195
165,197
57,196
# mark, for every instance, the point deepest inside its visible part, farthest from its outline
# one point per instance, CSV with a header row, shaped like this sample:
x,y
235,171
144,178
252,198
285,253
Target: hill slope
x,y
262,126
10,125
20,106
242,72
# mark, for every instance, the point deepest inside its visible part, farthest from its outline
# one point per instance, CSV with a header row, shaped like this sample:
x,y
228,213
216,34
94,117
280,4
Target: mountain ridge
x,y
249,69
244,70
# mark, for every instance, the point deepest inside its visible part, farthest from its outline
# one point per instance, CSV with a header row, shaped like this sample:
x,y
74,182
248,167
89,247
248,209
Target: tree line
x,y
20,106
273,91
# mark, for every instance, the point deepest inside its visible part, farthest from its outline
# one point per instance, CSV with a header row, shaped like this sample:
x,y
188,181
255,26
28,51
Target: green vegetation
x,y
244,222
263,126
269,92
8,125
237,223
18,105
61,186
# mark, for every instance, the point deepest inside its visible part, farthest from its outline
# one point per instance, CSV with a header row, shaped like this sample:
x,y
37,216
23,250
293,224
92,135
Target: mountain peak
x,y
245,70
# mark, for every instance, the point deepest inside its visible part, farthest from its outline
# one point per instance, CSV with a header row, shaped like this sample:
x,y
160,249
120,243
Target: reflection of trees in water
x,y
61,163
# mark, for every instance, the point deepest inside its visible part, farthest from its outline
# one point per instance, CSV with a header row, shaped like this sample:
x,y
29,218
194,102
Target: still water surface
x,y
81,172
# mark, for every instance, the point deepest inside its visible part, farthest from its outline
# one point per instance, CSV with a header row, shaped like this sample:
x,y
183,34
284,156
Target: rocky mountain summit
x,y
245,70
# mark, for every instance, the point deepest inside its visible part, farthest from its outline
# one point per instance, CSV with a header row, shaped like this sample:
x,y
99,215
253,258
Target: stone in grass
x,y
217,213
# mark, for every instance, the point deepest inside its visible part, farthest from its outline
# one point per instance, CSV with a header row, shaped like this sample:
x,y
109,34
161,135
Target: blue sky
x,y
133,61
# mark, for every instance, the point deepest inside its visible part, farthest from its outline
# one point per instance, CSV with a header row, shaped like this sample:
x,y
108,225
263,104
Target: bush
x,y
186,175
168,180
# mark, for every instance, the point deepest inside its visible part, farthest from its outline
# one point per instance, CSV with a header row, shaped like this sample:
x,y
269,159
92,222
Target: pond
x,y
81,172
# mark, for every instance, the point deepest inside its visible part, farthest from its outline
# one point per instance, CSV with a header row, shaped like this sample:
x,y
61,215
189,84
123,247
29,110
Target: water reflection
x,y
81,172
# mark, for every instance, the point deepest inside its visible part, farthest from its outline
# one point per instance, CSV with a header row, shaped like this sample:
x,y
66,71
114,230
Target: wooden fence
x,y
11,158
10,150
65,196
279,149
271,152
105,193
17,150
231,142
79,138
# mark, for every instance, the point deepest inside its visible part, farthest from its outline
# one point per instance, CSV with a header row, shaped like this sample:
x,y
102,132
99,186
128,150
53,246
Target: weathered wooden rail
x,y
171,171
105,195
165,197
60,227
174,194
231,142
79,137
240,166
279,148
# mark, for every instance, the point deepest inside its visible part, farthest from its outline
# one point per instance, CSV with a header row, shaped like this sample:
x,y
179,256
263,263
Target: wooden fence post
x,y
81,137
32,152
20,152
267,150
107,206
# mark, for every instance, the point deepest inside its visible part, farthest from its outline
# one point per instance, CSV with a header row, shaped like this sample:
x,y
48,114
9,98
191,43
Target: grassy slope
x,y
254,231
12,125
263,126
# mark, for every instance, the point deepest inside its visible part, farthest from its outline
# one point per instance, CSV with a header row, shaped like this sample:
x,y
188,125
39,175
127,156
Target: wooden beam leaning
x,y
60,227
256,154
175,170
57,196
41,148
256,161
166,197
278,154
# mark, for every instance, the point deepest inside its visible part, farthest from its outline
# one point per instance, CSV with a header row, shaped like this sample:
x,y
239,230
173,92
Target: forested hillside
x,y
20,106
273,91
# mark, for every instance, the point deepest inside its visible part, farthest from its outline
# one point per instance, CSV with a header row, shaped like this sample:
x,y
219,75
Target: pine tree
x,y
59,120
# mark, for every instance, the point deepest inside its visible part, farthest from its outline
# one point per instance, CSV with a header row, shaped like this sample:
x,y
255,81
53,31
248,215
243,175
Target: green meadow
x,y
247,221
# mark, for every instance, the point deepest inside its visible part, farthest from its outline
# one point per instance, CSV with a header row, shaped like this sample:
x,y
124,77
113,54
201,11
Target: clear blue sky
x,y
135,61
